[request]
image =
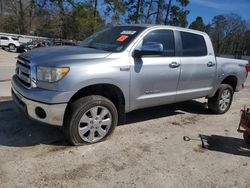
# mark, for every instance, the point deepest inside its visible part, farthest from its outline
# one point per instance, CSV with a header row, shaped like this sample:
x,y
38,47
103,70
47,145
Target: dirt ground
x,y
148,151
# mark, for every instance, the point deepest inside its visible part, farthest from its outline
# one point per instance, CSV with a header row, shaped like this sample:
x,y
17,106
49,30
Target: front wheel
x,y
90,119
12,46
222,100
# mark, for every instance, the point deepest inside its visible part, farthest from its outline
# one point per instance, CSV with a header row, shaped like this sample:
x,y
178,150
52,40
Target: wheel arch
x,y
231,80
110,91
11,44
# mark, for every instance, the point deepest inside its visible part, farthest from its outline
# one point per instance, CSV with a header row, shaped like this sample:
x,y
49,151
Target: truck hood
x,y
59,55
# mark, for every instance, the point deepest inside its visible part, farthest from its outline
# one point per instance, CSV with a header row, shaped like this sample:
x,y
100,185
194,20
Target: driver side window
x,y
165,37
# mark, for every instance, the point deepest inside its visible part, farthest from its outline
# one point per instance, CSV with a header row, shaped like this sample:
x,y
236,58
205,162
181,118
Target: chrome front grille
x,y
23,71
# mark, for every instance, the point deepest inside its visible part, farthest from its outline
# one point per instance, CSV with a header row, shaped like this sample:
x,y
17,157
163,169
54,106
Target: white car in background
x,y
10,42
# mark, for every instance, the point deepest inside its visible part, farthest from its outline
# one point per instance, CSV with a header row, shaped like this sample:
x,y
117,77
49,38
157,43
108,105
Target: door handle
x,y
124,68
174,65
210,64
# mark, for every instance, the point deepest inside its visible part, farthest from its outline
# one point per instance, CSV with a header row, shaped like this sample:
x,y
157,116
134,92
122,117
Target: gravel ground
x,y
148,151
7,69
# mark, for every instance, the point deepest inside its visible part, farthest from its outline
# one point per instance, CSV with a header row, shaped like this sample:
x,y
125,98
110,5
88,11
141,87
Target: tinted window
x,y
193,44
4,38
16,39
165,37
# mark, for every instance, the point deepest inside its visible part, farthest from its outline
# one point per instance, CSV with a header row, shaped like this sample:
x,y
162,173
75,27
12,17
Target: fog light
x,y
40,112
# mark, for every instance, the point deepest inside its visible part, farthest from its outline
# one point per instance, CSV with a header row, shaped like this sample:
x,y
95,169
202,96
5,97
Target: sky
x,y
207,9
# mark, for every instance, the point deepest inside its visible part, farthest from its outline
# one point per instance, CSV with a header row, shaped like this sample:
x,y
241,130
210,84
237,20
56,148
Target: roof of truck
x,y
164,26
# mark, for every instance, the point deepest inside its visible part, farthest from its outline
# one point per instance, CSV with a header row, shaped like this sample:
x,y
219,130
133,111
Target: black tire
x,y
214,102
246,137
79,108
12,47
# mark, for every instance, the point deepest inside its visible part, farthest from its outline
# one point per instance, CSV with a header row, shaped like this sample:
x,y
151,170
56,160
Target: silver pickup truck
x,y
88,89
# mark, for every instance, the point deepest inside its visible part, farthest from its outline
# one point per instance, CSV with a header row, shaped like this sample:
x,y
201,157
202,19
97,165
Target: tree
x,y
161,7
15,16
198,24
178,15
150,7
218,31
155,11
227,34
116,9
167,14
83,19
79,18
235,28
246,40
135,11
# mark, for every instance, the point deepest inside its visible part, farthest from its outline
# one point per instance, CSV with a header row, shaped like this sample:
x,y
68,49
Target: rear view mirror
x,y
150,48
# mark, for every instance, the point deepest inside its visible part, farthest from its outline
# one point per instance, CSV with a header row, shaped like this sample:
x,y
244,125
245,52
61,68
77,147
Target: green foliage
x,y
198,24
178,15
81,28
135,11
77,19
116,9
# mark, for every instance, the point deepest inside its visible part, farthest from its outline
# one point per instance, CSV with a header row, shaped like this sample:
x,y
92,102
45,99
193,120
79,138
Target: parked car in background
x,y
88,89
63,42
9,42
25,47
33,44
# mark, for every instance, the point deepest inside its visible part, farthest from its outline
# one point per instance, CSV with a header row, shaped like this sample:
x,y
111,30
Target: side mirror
x,y
149,48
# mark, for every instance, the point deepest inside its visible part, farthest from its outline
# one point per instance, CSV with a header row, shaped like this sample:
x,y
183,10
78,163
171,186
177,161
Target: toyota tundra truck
x,y
88,89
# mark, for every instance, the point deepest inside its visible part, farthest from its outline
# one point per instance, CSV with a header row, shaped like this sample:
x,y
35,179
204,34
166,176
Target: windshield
x,y
114,39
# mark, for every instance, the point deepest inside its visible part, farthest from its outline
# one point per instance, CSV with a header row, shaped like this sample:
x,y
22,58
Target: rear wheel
x,y
90,119
222,100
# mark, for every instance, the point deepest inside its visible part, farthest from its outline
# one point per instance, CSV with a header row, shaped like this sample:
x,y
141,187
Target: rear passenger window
x,y
193,45
165,37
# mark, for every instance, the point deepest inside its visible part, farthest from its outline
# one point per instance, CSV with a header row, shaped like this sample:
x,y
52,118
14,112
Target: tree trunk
x,y
137,12
158,14
63,19
95,14
21,18
148,13
32,4
1,7
166,18
95,8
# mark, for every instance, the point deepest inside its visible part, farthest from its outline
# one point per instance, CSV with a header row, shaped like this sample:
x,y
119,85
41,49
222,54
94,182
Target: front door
x,y
154,79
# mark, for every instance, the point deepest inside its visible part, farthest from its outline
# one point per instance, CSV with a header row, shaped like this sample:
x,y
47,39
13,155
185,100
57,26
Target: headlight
x,y
51,74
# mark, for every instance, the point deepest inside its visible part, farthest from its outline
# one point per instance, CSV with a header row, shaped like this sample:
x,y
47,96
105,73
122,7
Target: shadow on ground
x,y
193,107
225,144
17,130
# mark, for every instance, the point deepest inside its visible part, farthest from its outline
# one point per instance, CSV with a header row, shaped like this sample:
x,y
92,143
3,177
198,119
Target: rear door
x,y
154,78
198,67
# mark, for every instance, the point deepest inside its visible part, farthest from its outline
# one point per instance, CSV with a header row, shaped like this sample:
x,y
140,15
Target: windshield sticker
x,y
122,38
128,32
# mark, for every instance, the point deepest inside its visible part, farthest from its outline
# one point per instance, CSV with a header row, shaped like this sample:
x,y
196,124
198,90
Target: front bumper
x,y
54,113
